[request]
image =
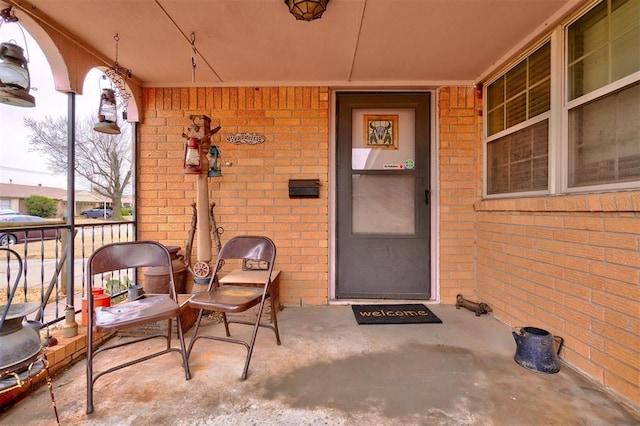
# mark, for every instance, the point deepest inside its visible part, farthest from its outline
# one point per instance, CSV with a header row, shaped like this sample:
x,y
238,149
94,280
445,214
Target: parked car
x,y
97,213
4,211
8,236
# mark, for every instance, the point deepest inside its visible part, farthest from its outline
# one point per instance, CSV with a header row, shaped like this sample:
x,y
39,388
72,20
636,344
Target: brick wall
x,y
566,264
569,265
251,197
459,186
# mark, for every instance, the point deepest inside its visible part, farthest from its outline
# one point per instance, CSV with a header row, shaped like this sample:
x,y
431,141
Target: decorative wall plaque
x,y
254,265
248,138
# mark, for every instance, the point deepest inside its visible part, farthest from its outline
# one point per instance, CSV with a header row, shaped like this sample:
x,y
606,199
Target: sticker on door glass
x,y
398,166
409,164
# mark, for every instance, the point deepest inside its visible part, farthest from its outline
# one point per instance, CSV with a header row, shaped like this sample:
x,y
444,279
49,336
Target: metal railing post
x,y
71,198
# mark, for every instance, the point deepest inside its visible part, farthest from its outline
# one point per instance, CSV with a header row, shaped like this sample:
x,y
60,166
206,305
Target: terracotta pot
x,y
99,299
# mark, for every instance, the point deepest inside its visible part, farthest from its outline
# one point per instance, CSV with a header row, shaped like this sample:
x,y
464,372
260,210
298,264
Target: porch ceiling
x,y
257,42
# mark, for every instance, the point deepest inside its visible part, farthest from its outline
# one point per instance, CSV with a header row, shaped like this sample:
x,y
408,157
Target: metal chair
x,y
234,298
118,258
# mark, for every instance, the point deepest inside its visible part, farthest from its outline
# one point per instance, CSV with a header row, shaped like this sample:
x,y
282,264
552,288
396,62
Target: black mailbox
x,y
304,188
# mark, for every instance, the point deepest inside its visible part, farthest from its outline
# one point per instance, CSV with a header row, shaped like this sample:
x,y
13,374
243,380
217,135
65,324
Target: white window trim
x,y
513,129
605,90
558,116
537,119
557,129
562,166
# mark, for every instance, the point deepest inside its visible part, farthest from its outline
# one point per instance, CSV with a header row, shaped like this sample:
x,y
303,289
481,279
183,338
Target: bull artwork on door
x,y
381,131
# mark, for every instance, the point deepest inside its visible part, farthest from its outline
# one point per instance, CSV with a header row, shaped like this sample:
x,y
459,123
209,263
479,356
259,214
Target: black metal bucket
x,y
536,350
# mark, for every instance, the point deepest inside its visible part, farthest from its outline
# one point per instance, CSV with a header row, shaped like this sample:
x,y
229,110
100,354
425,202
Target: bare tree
x,y
103,160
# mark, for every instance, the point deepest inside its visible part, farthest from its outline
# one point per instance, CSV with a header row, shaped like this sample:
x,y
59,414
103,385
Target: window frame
x,y
568,105
558,115
517,127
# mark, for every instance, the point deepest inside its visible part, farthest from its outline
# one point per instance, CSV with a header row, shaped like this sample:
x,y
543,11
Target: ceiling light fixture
x,y
15,81
307,10
109,99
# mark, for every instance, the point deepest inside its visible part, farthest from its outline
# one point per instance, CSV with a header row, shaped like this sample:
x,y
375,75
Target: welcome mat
x,y
394,314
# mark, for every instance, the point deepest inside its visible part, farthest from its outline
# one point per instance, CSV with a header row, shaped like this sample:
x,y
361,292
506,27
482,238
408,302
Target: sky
x,y
18,164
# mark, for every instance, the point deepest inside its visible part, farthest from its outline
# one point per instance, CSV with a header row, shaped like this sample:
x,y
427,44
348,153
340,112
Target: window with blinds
x,y
603,46
592,125
523,93
604,127
519,161
518,103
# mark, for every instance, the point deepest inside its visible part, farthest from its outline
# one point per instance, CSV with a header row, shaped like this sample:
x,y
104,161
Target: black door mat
x,y
394,314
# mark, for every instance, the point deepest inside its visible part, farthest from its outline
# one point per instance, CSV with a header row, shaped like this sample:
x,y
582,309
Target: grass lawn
x,y
33,295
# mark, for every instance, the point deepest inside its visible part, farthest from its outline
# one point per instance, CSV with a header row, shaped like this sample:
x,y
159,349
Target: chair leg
x,y
90,367
253,340
169,333
196,326
274,319
226,324
183,350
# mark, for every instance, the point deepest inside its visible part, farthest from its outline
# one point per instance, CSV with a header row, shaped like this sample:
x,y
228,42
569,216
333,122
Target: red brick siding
x,y
459,186
566,264
252,195
570,265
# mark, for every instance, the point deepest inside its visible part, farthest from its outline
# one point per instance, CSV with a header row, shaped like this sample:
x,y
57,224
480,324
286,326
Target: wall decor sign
x,y
381,131
247,138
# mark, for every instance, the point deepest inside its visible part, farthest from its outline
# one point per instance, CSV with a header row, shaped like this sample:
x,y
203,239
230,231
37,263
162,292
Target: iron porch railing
x,y
44,278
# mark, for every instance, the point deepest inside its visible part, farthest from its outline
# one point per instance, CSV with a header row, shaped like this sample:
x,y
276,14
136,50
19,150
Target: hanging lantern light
x,y
15,81
214,167
111,99
107,113
195,149
192,156
307,10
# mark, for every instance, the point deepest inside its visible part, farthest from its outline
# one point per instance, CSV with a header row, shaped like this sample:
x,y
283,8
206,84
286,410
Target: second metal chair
x,y
231,299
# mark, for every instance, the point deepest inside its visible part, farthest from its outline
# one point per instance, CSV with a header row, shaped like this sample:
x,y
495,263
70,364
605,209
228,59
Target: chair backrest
x,y
128,255
249,247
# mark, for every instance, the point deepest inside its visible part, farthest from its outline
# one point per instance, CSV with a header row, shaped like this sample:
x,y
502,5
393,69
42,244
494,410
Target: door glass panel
x,y
383,204
383,139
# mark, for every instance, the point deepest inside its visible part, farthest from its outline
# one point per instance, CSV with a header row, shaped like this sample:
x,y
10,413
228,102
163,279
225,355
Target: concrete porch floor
x,y
332,371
